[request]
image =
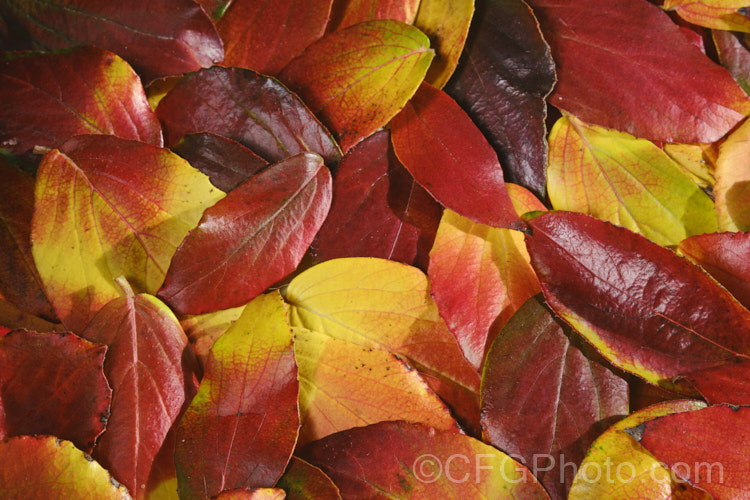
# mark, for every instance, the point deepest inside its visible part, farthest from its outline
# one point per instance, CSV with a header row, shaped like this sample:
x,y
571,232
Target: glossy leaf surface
x,y
627,181
412,460
729,383
378,210
83,91
106,207
345,13
448,156
302,480
48,467
625,65
714,14
251,239
150,369
242,426
534,373
505,47
732,187
345,385
479,276
358,78
626,295
252,109
53,383
265,36
174,38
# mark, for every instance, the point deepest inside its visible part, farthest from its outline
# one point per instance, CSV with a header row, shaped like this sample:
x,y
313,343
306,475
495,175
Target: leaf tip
x,y
636,432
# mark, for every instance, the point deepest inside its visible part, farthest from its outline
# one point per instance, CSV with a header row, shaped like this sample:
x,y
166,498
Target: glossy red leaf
x,y
709,448
345,13
629,298
52,383
448,156
265,36
174,38
729,383
251,239
47,98
150,369
252,109
241,428
416,461
625,65
20,283
543,399
505,47
226,162
725,257
303,481
378,210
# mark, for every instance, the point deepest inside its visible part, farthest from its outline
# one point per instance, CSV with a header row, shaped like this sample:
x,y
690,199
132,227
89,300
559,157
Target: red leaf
x,y
251,239
448,156
710,447
725,257
174,38
52,383
378,210
533,373
82,91
241,428
303,481
252,109
626,65
265,36
345,13
729,383
629,297
149,368
505,47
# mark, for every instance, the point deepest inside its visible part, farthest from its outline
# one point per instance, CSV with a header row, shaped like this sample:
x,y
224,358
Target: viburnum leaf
x,y
345,385
628,297
255,110
505,47
725,257
251,239
627,181
265,36
534,373
728,383
52,383
150,368
479,276
303,481
618,468
49,467
203,329
174,38
378,209
732,187
446,23
625,65
45,98
734,55
345,13
20,283
714,14
106,207
708,447
241,428
358,78
226,162
448,156
416,461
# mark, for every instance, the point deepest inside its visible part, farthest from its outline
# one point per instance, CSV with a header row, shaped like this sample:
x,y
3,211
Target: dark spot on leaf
x,y
636,432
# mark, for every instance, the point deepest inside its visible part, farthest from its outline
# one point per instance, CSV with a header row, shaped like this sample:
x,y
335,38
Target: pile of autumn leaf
x,y
321,284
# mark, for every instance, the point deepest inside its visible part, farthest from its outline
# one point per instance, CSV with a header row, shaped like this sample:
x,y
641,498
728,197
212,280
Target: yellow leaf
x,y
732,189
714,14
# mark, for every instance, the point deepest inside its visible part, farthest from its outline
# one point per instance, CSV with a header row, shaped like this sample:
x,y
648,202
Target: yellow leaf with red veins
x,y
696,160
715,14
108,207
624,180
345,385
732,188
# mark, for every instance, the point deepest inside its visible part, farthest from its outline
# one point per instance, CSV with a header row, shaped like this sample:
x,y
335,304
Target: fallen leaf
x,y
303,481
13,318
696,160
733,54
728,383
202,330
251,494
345,13
732,187
524,200
714,14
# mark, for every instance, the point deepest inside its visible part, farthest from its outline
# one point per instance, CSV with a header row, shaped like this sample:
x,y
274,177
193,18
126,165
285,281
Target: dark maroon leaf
x,y
166,37
504,75
729,383
533,373
378,210
625,65
226,162
254,110
53,383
